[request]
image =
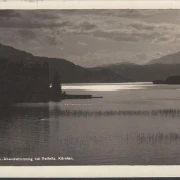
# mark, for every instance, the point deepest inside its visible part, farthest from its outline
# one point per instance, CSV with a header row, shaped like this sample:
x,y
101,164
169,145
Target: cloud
x,y
117,25
32,19
141,56
144,26
92,35
27,34
125,13
87,26
131,13
82,43
32,23
52,38
138,31
117,35
8,13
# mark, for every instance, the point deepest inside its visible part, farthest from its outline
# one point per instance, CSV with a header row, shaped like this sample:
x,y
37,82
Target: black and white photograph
x,y
89,87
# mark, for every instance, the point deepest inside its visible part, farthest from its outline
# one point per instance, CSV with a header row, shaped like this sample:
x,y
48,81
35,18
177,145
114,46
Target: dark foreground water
x,y
134,124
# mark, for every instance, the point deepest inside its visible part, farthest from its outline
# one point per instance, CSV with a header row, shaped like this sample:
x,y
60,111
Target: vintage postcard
x,y
90,88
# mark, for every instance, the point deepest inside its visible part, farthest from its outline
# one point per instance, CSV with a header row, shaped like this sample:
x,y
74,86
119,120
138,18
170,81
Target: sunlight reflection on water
x,y
106,87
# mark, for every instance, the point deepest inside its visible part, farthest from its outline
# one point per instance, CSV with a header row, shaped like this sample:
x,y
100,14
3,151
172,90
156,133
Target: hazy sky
x,y
93,37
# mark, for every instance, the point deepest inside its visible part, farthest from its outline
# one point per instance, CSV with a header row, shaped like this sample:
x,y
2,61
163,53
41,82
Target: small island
x,y
170,80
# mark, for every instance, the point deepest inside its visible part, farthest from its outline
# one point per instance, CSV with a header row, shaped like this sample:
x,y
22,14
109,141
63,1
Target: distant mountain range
x,y
70,73
168,59
155,69
145,73
111,73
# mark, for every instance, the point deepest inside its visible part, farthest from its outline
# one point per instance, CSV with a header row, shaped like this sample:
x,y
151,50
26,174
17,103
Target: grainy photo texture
x,y
89,87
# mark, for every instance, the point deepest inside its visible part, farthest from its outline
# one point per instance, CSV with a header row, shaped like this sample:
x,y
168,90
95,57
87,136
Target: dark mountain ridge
x,y
156,69
146,73
168,59
70,72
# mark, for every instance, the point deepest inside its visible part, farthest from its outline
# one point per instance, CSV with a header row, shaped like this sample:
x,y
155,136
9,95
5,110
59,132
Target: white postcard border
x,y
89,4
89,171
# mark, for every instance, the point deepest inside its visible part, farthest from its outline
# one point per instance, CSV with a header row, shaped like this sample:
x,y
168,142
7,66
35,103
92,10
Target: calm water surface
x,y
134,124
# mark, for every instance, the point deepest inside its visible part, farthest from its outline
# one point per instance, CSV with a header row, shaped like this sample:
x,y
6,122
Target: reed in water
x,y
77,113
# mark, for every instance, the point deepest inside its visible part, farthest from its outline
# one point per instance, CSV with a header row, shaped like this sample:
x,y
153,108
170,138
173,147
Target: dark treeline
x,y
21,82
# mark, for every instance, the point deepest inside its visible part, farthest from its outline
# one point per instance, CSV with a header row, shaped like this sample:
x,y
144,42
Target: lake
x,y
133,124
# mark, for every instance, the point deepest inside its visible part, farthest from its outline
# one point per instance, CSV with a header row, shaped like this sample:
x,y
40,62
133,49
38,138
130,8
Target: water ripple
x,y
78,113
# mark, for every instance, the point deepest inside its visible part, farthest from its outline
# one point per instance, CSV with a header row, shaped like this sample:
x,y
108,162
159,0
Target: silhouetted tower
x,y
56,88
